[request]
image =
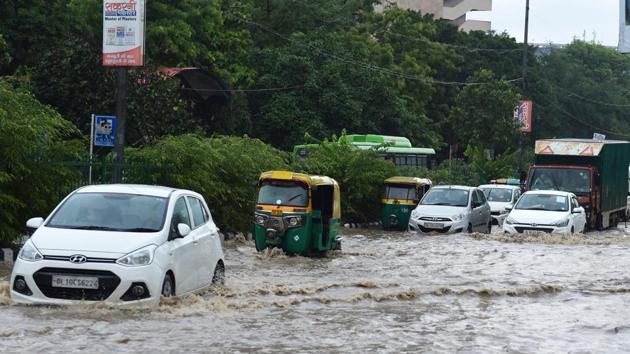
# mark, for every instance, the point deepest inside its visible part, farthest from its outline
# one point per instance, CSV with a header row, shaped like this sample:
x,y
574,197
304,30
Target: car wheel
x,y
168,286
218,278
469,229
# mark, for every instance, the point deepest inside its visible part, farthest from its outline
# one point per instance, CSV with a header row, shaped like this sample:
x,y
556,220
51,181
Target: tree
x,y
482,116
34,140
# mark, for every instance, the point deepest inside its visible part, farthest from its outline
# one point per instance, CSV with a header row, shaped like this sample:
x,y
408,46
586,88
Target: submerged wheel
x,y
218,278
168,286
572,230
469,229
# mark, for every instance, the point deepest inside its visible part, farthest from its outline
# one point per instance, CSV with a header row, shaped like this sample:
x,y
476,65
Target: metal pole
x,y
524,83
525,46
91,149
121,117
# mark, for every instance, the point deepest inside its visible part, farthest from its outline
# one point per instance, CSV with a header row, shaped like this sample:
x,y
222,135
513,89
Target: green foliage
x,y
5,58
154,105
580,90
360,175
220,168
491,124
34,140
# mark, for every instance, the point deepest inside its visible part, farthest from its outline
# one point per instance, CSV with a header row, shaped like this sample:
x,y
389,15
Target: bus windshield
x,y
573,180
283,193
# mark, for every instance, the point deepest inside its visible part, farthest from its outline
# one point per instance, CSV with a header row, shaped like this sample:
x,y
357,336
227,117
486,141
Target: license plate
x,y
532,232
276,212
65,281
433,225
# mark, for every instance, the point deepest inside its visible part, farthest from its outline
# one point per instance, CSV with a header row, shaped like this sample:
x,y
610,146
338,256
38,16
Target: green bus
x,y
397,149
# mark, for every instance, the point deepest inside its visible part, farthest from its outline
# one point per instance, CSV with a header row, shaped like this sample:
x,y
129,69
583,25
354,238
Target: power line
x,y
565,112
592,100
369,66
270,89
454,46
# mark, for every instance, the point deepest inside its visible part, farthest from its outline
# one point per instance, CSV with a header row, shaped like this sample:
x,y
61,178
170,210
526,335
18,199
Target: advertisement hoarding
x,y
523,114
624,26
123,32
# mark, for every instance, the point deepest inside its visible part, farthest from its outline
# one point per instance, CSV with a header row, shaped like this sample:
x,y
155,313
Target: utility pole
x,y
524,83
121,115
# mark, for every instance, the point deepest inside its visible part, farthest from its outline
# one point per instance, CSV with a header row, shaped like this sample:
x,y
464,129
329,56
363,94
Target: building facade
x,y
454,11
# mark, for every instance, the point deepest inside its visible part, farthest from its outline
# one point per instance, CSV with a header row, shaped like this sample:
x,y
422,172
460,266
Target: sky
x,y
556,21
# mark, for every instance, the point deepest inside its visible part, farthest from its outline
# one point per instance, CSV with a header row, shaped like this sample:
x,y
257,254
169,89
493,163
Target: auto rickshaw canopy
x,y
409,180
311,181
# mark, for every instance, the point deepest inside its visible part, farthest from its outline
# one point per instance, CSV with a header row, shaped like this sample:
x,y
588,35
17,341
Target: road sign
x,y
104,131
123,32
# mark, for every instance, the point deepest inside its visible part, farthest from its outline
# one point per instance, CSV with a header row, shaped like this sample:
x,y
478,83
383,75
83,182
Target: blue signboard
x,y
104,130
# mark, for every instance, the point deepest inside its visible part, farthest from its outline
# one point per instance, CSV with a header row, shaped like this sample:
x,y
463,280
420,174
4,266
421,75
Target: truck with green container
x,y
595,171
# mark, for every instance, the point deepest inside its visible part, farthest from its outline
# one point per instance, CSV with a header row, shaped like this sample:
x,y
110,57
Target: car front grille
x,y
440,231
107,282
88,259
436,219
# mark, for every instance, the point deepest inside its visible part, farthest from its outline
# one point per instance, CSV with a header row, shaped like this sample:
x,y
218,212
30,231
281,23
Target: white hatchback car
x,y
452,209
123,243
546,211
501,198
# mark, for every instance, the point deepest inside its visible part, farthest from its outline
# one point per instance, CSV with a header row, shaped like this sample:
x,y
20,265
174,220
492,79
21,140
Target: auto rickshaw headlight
x,y
294,221
260,219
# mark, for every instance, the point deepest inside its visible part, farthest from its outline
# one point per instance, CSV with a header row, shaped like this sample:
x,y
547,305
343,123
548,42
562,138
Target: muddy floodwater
x,y
385,292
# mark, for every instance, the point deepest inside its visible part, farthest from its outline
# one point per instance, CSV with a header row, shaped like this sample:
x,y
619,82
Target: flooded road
x,y
385,292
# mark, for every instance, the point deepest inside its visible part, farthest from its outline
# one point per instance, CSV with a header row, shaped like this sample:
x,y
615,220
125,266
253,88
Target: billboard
x,y
104,131
123,32
523,114
624,26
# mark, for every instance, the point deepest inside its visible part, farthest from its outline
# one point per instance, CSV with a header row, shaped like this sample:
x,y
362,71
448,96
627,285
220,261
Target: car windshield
x,y
498,194
446,196
283,193
548,202
400,192
576,181
111,212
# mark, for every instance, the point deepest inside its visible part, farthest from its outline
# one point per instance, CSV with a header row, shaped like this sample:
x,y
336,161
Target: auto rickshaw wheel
x,y
337,246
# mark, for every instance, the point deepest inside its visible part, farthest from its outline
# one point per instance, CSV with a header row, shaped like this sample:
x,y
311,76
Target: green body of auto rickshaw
x,y
296,212
400,197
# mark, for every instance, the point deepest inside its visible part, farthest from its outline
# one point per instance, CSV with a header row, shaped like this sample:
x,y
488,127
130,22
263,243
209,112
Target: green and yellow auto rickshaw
x,y
299,213
400,197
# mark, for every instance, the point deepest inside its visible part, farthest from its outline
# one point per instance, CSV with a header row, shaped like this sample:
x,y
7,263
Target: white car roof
x,y
466,188
550,192
140,189
501,186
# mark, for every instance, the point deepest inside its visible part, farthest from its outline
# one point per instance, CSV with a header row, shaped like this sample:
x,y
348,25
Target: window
x,y
180,215
482,197
574,203
198,214
475,198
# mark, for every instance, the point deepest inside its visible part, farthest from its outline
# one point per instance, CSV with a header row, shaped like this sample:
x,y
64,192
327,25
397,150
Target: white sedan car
x,y
546,211
501,198
121,243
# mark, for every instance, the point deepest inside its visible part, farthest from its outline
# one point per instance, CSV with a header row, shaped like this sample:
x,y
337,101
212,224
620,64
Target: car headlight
x,y
504,211
414,213
294,221
141,257
30,253
562,223
458,217
260,219
510,220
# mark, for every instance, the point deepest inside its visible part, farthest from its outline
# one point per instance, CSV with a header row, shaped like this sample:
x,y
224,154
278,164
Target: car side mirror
x,y
578,210
183,230
34,223
509,207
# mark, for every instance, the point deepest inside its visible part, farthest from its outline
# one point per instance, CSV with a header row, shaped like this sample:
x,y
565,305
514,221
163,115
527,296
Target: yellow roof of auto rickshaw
x,y
294,176
409,180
